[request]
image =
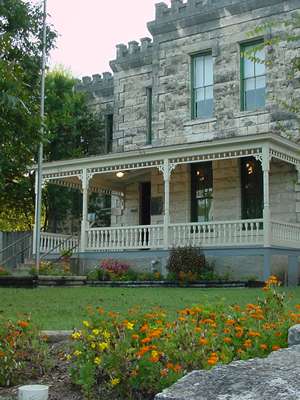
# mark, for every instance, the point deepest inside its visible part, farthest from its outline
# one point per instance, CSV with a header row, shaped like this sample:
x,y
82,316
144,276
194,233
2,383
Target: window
x,y
202,82
252,188
109,123
149,115
201,192
253,77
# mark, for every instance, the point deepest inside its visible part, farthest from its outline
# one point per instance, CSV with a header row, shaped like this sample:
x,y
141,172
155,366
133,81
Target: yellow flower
x,y
68,357
129,326
114,381
77,353
103,345
95,332
93,345
76,335
86,324
97,360
106,335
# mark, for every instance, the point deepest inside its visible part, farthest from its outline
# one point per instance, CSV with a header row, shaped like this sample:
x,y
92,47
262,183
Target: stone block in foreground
x,y
273,378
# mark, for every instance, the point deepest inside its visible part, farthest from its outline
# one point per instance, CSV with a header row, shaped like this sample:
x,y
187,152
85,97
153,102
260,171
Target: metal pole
x,y
38,205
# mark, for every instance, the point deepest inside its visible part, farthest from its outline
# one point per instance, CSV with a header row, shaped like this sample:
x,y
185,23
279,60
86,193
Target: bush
x,y
52,269
135,357
4,272
23,354
187,264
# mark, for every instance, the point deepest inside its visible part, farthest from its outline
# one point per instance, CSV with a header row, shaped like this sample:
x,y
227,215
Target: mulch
x,y
60,386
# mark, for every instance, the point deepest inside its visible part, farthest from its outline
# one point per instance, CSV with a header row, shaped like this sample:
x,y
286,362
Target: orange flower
x,y
230,322
275,348
263,346
247,344
213,359
226,331
254,334
203,341
144,328
227,340
146,340
23,324
177,368
135,337
164,372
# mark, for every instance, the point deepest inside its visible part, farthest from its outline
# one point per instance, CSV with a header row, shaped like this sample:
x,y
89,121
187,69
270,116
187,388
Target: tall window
x,y
253,79
202,192
149,115
202,81
109,123
252,188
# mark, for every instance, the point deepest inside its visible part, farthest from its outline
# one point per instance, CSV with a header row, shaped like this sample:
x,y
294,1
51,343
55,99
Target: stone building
x,y
200,149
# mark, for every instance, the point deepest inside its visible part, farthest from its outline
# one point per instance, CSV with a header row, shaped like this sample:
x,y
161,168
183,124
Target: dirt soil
x,y
60,386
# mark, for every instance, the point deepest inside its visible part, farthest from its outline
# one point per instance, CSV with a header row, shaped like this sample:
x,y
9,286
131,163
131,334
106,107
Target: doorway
x,y
145,203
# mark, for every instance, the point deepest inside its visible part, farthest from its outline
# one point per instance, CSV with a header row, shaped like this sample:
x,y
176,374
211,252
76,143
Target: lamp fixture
x,y
120,174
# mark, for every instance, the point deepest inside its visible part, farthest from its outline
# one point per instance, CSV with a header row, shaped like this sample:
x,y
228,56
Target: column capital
x,y
167,168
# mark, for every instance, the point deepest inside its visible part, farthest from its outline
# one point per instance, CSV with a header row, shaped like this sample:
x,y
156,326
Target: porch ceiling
x,y
149,157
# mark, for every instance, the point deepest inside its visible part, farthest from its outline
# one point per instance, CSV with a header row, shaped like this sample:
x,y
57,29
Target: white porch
x,y
97,174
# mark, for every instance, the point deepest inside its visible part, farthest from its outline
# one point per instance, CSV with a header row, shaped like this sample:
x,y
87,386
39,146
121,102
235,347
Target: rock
x,y
275,377
56,336
294,335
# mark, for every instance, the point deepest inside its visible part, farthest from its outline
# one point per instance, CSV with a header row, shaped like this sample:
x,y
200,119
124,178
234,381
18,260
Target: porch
x,y
167,220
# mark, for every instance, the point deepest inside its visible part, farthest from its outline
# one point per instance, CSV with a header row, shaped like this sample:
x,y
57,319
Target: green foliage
x,y
49,268
23,354
187,264
4,272
138,355
20,49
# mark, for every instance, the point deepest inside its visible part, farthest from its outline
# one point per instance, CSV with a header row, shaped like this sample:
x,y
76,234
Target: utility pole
x,y
39,172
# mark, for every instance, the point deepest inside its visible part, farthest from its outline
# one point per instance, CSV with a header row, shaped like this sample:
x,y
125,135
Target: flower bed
x,y
137,356
23,354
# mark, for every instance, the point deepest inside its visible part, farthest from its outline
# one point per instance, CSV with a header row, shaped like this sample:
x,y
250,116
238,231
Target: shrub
x,y
52,269
23,354
137,356
4,272
187,264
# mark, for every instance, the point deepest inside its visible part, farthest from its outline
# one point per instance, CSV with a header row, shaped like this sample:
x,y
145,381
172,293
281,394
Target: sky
x,y
90,29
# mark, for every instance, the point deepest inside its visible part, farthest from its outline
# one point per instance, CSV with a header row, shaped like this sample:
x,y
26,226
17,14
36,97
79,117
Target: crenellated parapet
x,y
133,55
97,85
182,14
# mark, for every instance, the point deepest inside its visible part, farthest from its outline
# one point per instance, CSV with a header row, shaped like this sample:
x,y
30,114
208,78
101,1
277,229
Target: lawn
x,y
64,308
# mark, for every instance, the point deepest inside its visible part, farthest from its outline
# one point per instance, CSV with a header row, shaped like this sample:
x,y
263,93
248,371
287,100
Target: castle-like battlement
x,y
134,54
192,12
99,85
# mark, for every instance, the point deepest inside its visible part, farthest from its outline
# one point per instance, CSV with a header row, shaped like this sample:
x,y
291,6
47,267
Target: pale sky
x,y
90,29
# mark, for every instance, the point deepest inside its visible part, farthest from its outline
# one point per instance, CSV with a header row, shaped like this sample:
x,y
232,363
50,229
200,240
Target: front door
x,y
145,203
201,192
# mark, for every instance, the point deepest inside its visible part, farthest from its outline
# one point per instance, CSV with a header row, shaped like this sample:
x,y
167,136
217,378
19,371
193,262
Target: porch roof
x,y
149,156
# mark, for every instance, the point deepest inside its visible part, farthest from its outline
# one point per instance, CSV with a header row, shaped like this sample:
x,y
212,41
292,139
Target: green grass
x,y
64,308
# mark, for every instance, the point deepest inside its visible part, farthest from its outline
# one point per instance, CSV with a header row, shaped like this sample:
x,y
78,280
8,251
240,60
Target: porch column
x,y
166,174
85,194
266,186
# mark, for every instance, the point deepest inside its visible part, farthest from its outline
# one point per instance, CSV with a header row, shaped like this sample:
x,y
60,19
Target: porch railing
x,y
285,233
56,243
123,238
217,233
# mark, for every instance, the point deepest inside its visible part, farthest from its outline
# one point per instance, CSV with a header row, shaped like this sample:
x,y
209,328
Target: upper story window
x,y
253,77
149,115
202,81
109,123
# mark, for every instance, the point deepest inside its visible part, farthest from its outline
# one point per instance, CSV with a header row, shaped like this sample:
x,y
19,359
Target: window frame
x,y
193,75
206,165
243,46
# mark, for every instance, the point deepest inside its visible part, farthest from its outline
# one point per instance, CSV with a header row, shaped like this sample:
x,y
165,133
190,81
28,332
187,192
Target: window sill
x,y
241,114
194,122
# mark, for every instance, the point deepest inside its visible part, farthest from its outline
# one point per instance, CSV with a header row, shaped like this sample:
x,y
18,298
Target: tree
x,y
72,131
20,56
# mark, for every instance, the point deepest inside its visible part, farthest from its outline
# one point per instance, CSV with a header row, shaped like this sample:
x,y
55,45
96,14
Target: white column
x,y
85,195
266,186
167,169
